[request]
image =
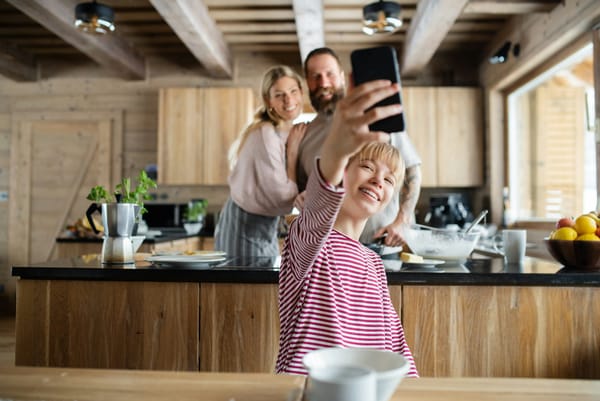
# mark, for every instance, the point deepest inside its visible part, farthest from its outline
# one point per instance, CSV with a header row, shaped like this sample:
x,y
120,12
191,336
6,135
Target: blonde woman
x,y
262,182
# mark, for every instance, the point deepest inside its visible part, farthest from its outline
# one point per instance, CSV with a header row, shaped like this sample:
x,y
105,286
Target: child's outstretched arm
x,y
350,127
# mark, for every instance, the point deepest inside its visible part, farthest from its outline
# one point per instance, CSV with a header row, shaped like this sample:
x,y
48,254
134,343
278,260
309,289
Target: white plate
x,y
185,260
195,254
424,263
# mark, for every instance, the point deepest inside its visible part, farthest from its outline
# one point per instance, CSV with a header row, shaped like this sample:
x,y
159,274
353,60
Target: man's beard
x,y
326,105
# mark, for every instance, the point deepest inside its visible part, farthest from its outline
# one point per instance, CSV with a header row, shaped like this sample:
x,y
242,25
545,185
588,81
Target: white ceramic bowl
x,y
390,368
441,244
192,228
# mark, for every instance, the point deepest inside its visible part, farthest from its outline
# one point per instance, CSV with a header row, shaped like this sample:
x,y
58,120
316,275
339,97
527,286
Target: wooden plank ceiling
x,y
213,31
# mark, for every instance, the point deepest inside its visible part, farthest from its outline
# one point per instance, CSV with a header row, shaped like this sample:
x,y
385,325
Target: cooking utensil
x,y
377,245
480,217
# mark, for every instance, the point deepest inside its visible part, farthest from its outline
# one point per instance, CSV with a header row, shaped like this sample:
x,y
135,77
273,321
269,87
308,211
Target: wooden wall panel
x,y
116,101
56,158
239,327
504,331
115,325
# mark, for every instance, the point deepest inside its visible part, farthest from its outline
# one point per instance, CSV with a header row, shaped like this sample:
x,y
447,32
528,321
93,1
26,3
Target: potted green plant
x,y
122,194
194,216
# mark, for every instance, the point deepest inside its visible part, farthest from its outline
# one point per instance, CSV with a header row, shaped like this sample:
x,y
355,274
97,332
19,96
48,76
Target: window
x,y
551,145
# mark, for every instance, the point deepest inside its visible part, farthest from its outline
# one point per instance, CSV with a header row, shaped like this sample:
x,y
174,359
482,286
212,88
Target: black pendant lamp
x,y
94,18
381,17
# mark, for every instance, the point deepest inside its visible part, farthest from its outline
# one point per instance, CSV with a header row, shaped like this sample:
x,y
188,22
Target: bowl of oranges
x,y
575,243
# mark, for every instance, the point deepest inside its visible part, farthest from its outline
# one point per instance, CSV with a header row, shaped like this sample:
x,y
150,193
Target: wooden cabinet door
x,y
180,158
55,159
446,127
419,109
459,117
239,327
103,324
483,331
226,112
196,128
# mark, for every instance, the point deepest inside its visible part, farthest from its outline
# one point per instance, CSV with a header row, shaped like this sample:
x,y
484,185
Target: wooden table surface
x,y
54,384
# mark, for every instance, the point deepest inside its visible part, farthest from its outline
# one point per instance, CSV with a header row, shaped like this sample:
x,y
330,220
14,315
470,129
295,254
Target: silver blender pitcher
x,y
118,220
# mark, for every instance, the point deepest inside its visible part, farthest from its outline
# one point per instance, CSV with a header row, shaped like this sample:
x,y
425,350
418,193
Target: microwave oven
x,y
164,216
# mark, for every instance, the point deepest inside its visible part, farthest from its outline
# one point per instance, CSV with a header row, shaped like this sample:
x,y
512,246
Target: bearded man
x,y
327,85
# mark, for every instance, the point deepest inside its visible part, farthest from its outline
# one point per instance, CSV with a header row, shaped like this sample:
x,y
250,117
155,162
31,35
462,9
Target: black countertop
x,y
479,271
164,237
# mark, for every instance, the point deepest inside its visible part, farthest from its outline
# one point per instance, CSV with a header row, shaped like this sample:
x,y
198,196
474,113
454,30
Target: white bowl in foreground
x,y
390,368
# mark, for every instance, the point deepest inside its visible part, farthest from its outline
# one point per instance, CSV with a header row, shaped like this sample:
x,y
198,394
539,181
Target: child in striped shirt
x,y
332,289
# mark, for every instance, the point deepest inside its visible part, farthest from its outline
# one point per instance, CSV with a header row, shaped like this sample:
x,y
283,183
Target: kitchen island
x,y
482,318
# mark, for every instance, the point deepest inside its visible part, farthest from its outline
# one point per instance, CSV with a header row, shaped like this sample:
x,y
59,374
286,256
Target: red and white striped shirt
x,y
332,289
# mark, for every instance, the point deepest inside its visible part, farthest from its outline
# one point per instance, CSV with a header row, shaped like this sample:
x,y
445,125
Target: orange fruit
x,y
564,233
587,237
584,224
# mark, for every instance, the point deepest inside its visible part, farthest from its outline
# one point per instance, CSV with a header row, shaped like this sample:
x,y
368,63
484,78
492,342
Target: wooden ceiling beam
x,y
509,7
540,37
428,28
110,51
191,21
17,64
308,15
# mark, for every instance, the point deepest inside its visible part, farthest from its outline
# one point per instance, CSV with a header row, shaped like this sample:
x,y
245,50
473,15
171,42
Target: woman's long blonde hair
x,y
264,114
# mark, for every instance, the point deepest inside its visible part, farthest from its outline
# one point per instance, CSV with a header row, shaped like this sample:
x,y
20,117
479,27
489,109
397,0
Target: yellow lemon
x,y
564,233
584,224
587,237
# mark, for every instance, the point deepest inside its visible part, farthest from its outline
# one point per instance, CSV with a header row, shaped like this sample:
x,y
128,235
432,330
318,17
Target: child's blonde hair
x,y
386,153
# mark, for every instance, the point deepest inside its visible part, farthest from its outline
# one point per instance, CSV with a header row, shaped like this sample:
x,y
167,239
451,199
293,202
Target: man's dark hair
x,y
318,51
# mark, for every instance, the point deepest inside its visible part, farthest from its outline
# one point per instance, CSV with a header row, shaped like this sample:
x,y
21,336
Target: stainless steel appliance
x,y
448,208
165,217
118,220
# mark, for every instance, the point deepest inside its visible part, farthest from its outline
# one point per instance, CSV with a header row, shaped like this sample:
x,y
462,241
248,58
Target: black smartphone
x,y
379,63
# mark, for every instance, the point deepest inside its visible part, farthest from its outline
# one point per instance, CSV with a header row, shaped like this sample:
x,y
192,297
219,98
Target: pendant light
x,y
94,18
381,17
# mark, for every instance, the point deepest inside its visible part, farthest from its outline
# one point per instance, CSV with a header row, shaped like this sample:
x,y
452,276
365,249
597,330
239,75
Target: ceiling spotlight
x,y
94,18
501,56
381,17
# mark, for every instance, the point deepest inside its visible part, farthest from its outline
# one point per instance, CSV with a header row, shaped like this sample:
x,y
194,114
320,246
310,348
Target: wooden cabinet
x,y
104,324
446,126
458,331
503,331
196,127
239,327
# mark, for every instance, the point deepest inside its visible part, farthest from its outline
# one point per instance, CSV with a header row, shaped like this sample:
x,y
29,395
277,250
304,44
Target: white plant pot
x,y
192,228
